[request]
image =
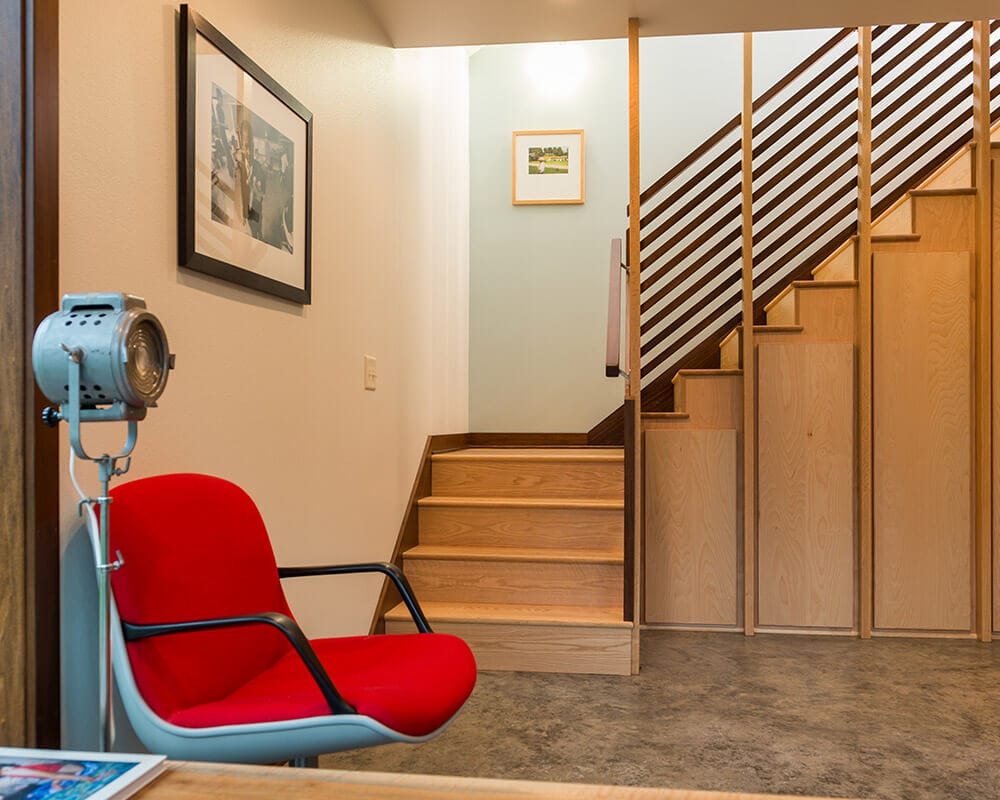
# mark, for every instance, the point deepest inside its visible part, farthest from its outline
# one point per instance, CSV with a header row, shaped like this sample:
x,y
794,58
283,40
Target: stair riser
x,y
544,583
729,353
783,311
539,648
522,527
957,175
945,223
828,313
898,220
841,266
714,402
600,481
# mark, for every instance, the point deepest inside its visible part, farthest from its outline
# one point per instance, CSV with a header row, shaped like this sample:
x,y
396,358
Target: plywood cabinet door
x,y
805,476
922,362
691,527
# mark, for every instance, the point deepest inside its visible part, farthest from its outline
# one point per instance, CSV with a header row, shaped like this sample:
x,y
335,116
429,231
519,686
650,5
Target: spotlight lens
x,y
146,365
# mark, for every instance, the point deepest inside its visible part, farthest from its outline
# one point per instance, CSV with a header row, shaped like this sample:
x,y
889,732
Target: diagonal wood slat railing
x,y
805,136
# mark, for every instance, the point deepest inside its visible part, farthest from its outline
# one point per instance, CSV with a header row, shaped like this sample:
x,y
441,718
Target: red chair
x,y
210,662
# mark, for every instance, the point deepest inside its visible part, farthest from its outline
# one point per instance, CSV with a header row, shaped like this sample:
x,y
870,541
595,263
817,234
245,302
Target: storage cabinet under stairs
x,y
803,544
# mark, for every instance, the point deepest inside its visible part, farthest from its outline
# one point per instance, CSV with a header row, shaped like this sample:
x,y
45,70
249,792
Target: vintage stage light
x,y
101,358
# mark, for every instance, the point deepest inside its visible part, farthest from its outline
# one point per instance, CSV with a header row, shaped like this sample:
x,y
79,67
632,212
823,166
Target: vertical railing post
x,y
983,451
863,254
633,384
749,371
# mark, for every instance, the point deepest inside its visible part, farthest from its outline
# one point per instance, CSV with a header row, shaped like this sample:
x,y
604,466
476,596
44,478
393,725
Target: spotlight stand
x,y
115,366
107,468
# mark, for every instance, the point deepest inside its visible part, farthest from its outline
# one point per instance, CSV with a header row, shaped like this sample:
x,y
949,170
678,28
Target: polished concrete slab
x,y
887,718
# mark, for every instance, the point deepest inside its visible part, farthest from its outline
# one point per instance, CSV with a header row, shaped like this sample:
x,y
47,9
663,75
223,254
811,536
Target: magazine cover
x,y
65,775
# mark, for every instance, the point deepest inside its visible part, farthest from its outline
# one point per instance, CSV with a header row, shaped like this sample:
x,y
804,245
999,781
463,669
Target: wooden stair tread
x,y
955,192
438,501
514,613
825,284
895,237
706,373
778,329
569,454
521,554
678,415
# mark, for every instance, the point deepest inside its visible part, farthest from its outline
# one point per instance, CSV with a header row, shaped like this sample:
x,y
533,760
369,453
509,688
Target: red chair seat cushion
x,y
413,684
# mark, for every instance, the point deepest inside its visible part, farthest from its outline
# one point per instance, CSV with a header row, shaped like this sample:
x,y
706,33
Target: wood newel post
x,y
982,354
749,370
863,270
633,385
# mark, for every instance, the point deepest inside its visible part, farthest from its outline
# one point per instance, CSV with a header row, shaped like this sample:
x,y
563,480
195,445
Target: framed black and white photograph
x,y
245,192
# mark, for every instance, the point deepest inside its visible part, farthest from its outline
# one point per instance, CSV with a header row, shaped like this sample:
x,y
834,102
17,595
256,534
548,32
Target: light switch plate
x,y
370,373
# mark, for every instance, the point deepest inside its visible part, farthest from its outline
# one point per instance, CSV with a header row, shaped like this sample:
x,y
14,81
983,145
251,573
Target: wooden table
x,y
186,780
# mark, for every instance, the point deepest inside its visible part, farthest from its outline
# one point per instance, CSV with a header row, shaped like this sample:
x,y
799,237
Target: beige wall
x,y
267,393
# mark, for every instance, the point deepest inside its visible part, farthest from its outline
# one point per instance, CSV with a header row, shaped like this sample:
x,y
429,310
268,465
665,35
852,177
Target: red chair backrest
x,y
195,547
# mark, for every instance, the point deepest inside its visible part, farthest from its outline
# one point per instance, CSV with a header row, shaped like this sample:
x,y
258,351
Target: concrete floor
x,y
886,718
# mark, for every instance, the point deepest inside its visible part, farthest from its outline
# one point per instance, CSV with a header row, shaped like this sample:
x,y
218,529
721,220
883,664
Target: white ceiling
x,y
425,23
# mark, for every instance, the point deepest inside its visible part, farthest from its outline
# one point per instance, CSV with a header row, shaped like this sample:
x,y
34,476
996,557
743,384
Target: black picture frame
x,y
205,228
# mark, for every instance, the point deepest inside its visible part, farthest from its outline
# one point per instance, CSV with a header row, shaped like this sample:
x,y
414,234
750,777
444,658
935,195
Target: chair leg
x,y
306,762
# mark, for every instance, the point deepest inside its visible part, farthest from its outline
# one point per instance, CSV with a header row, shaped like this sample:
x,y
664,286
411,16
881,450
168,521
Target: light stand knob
x,y
51,416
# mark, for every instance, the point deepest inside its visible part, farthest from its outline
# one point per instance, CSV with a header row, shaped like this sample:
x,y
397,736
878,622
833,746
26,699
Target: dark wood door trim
x,y
41,297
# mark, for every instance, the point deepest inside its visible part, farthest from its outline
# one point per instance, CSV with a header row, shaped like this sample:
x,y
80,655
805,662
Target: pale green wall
x,y
538,274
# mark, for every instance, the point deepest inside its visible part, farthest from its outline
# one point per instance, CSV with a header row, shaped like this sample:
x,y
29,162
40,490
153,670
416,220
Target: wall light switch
x,y
370,373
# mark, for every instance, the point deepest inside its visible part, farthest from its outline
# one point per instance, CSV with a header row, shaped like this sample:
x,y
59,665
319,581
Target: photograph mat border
x,y
216,239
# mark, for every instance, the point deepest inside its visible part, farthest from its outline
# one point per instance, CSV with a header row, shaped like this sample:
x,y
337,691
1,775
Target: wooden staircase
x,y
520,553
805,565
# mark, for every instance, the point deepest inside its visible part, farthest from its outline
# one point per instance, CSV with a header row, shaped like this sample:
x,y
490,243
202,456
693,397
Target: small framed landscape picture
x,y
245,190
547,167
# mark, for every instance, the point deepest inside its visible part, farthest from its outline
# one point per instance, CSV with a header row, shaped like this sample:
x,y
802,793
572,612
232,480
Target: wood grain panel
x,y
995,262
513,525
863,251
956,174
898,219
540,648
840,266
983,354
712,399
922,421
536,638
781,310
527,478
827,310
748,471
945,222
188,780
806,539
13,667
691,531
544,583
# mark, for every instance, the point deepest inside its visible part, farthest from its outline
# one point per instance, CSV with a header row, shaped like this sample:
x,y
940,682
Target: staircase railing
x,y
612,359
805,135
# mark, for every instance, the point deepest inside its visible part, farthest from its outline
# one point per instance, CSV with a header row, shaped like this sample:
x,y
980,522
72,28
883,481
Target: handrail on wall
x,y
612,360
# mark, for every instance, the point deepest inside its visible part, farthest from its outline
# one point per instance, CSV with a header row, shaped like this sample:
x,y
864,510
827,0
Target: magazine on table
x,y
68,775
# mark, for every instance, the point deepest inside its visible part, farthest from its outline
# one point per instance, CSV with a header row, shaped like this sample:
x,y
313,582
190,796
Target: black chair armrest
x,y
289,627
394,573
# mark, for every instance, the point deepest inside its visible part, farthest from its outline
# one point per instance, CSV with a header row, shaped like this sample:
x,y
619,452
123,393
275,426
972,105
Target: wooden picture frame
x,y
547,167
245,168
